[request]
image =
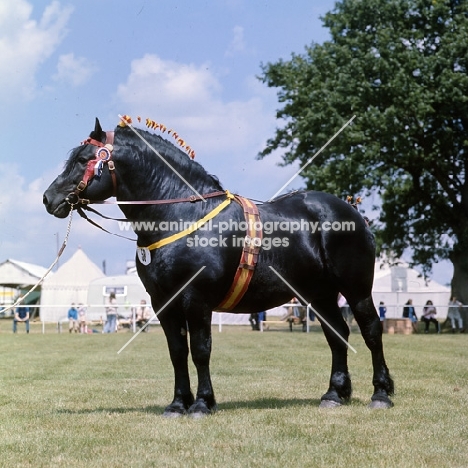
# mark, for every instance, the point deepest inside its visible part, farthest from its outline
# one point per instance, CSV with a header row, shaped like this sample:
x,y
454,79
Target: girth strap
x,y
249,256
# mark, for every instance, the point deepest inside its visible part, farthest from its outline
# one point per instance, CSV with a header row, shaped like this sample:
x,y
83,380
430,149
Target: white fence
x,y
126,314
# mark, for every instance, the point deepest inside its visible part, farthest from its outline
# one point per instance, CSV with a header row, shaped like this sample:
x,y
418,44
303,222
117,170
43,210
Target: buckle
x,y
72,199
81,186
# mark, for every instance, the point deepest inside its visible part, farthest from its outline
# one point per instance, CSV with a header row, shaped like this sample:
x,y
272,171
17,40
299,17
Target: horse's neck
x,y
147,177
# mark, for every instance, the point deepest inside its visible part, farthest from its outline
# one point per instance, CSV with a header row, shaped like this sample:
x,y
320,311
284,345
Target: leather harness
x,y
249,256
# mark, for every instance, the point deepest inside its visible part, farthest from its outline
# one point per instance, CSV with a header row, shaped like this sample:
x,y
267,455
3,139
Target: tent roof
x,y
415,281
14,273
119,279
78,270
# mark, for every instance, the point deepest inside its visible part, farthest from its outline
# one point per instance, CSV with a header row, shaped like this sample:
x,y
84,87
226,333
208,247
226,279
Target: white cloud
x,y
25,43
168,85
189,97
226,135
237,44
74,70
22,215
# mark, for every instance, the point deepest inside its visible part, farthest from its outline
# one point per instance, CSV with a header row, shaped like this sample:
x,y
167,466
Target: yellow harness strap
x,y
197,225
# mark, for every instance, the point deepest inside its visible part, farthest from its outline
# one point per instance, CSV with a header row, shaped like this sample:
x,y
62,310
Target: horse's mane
x,y
143,149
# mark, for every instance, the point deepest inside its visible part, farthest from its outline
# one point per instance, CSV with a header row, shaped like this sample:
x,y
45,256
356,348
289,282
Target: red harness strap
x,y
249,256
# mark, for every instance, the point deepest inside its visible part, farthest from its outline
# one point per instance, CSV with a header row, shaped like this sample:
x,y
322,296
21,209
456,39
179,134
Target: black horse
x,y
314,246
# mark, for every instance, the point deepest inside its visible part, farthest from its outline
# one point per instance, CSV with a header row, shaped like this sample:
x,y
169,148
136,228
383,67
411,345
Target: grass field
x,y
71,400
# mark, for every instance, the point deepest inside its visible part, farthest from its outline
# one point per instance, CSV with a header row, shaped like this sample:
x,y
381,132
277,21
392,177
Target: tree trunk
x,y
459,258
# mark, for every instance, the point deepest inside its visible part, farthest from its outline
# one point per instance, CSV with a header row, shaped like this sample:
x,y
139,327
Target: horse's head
x,y
89,173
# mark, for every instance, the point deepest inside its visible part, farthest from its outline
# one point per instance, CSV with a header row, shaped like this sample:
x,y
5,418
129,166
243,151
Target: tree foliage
x,y
400,66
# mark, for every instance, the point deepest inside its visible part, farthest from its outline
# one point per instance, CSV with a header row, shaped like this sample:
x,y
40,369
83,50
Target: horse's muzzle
x,y
59,210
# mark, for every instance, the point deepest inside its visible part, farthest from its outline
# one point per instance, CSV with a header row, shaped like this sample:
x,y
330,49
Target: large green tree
x,y
400,66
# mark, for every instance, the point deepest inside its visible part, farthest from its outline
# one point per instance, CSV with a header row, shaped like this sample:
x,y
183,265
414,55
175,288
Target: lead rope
x,y
59,254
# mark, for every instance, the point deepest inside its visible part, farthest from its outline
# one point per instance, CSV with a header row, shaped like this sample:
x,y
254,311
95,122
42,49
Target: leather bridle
x,y
94,167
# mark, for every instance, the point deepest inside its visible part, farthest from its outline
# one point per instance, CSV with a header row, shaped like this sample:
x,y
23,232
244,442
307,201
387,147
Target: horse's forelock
x,y
73,155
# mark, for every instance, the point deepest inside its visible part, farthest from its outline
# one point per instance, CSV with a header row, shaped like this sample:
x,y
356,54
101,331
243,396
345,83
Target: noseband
x,y
94,168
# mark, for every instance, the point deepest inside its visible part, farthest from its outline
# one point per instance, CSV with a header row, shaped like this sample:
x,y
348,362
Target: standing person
x,y
72,319
409,312
429,313
253,319
111,312
382,311
82,318
21,315
261,317
454,314
143,315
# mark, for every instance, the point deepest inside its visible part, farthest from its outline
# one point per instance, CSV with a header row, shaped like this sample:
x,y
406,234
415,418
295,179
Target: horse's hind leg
x,y
336,332
371,330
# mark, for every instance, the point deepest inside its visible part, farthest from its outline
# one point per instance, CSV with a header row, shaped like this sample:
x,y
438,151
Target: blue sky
x,y
191,65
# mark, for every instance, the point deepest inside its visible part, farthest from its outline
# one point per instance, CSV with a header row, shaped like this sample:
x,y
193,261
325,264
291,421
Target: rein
x,y
191,199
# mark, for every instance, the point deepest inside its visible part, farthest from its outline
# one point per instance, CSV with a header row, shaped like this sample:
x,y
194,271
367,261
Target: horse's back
x,y
321,242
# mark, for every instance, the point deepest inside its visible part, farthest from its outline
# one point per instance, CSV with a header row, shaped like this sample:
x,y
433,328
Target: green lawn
x,y
71,400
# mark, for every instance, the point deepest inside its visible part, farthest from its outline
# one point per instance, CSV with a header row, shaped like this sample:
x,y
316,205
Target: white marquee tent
x,y
395,285
16,277
128,289
19,274
68,285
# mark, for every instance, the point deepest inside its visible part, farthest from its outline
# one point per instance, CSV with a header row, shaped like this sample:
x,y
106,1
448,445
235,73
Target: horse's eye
x,y
83,158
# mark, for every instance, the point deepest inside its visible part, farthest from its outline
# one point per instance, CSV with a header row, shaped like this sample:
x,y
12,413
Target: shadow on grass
x,y
269,403
262,403
108,410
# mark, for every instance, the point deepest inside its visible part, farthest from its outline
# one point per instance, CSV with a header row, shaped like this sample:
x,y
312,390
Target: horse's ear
x,y
97,133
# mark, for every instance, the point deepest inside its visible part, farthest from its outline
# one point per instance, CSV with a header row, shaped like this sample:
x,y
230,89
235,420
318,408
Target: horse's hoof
x,y
329,404
379,404
199,410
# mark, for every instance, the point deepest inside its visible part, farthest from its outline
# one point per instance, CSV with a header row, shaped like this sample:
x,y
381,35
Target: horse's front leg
x,y
175,329
200,347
